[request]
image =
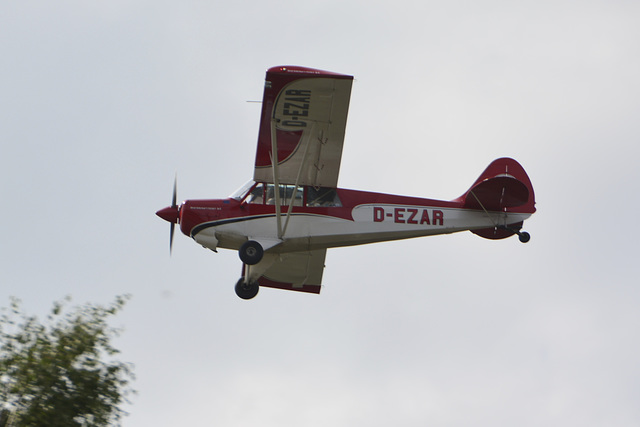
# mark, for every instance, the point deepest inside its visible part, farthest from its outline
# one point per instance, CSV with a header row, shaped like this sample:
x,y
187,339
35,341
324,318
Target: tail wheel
x,y
251,252
524,236
246,290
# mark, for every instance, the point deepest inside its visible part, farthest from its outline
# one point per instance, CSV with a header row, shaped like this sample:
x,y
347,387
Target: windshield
x,y
242,191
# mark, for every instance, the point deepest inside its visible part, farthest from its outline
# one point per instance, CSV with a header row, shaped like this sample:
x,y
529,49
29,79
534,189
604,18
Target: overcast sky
x,y
101,103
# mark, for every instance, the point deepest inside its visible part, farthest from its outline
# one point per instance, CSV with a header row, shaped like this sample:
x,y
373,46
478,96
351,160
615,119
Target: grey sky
x,y
102,102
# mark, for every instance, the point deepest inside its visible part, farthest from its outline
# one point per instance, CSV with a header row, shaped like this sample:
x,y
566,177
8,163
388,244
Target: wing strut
x,y
302,164
276,180
276,183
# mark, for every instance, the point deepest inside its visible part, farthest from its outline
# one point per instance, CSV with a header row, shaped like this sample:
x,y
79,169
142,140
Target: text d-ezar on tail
x,y
283,221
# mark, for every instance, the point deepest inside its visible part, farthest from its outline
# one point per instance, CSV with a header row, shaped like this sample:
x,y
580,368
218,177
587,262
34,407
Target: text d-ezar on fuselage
x,y
284,220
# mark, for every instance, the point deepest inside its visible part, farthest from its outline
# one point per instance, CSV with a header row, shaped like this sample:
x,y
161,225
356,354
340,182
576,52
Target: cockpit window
x,y
322,197
242,191
265,193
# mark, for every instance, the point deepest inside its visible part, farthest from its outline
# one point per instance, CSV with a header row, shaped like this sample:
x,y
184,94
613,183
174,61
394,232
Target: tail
x,y
504,186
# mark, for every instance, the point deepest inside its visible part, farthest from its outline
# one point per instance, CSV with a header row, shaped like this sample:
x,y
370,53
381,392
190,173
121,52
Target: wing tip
x,y
268,283
307,71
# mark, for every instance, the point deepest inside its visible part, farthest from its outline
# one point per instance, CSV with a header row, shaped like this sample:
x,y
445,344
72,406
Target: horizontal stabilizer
x,y
496,233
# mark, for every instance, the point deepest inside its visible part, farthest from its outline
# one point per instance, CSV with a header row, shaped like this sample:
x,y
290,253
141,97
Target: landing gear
x,y
251,252
246,290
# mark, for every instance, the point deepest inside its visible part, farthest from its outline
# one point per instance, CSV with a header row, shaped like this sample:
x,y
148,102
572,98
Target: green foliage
x,y
62,373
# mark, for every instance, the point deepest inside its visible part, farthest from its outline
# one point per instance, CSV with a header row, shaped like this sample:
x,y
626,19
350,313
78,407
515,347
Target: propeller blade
x,y
174,206
175,192
173,229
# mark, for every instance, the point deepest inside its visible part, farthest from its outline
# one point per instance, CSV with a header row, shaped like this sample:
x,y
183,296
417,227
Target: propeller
x,y
171,213
173,206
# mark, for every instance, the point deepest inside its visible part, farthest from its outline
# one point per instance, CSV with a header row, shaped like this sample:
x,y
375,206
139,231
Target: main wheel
x,y
524,236
246,290
251,252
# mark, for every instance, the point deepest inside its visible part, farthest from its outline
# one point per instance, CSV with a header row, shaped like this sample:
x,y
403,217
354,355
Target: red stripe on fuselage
x,y
194,213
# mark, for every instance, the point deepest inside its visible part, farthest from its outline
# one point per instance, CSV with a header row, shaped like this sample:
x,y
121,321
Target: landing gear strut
x,y
246,290
251,252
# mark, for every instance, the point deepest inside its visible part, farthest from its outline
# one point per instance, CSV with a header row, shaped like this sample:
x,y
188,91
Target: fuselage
x,y
315,218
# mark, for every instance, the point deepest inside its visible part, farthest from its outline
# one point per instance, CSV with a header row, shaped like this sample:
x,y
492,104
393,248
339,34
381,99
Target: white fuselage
x,y
370,223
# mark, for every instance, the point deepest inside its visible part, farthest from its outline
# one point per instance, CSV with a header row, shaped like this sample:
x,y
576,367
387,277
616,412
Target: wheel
x,y
251,252
246,290
524,236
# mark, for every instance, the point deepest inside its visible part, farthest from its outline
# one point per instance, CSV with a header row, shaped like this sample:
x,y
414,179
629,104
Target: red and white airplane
x,y
283,221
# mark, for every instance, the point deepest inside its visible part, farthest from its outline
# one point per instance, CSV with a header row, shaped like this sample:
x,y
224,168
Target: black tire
x,y
251,252
524,236
246,290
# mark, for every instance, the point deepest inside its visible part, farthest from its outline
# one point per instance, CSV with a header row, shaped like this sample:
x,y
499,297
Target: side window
x,y
286,192
322,197
296,193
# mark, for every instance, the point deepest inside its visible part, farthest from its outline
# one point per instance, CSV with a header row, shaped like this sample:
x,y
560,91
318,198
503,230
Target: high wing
x,y
304,116
296,271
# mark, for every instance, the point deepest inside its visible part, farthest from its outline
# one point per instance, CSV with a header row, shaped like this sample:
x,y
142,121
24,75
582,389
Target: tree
x,y
61,373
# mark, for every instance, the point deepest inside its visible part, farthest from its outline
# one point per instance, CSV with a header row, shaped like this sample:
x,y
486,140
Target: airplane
x,y
283,220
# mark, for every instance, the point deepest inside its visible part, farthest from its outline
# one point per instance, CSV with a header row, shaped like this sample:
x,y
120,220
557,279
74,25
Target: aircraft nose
x,y
169,213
